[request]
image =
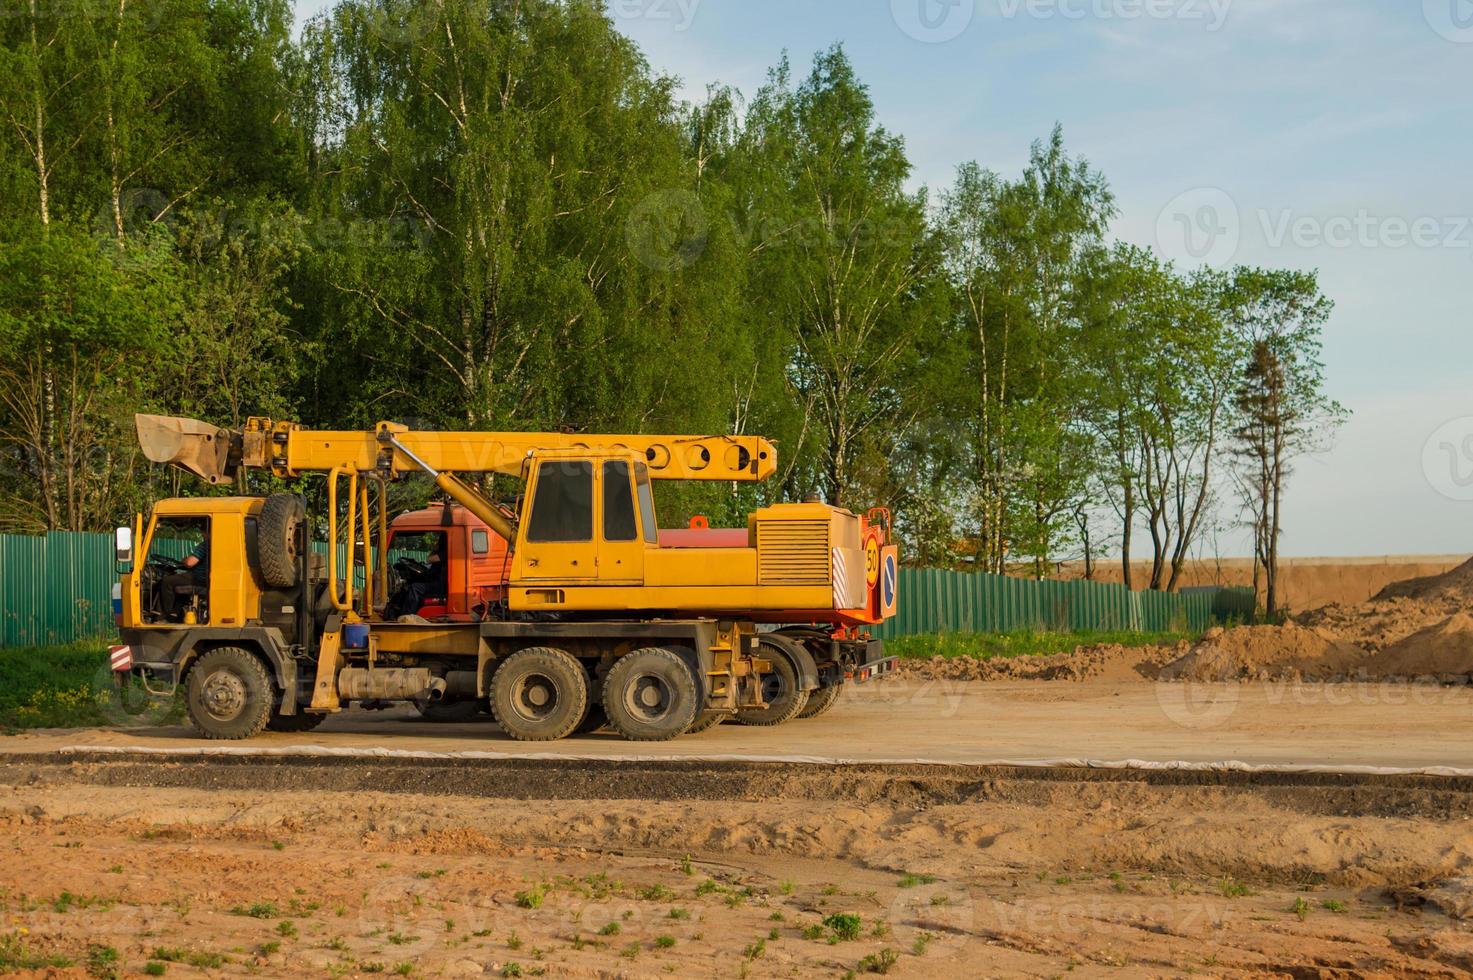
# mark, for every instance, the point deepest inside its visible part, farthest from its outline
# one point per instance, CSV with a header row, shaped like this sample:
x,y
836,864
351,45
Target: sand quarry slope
x,y
1421,629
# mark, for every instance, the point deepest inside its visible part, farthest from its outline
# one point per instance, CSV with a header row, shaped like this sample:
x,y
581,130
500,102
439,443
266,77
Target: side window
x,y
646,504
562,510
480,543
618,503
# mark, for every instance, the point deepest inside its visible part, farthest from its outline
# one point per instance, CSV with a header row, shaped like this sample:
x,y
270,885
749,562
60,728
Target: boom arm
x,y
288,450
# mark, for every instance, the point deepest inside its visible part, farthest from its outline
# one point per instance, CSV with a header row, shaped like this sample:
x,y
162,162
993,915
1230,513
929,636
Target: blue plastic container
x,y
355,636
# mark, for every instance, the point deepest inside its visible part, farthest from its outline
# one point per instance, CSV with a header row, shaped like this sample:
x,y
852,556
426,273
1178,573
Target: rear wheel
x,y
539,695
229,694
651,696
780,689
821,700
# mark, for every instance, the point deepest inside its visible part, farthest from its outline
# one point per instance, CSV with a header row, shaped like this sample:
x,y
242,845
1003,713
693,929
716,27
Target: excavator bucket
x,y
198,447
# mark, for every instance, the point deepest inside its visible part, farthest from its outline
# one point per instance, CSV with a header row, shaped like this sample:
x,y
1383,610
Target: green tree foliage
x,y
495,214
1283,411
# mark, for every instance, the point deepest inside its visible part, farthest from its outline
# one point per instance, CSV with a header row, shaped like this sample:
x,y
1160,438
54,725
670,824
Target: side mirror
x,y
124,541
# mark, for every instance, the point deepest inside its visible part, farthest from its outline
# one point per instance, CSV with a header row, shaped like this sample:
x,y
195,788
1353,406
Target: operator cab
x,y
176,572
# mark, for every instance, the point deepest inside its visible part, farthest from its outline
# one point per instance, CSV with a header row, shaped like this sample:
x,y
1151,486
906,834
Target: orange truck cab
x,y
477,560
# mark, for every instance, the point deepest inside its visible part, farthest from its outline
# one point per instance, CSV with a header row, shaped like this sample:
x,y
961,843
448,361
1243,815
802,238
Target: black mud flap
x,y
875,664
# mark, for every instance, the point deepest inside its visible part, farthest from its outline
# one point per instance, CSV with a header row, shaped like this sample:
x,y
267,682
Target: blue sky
x,y
1323,134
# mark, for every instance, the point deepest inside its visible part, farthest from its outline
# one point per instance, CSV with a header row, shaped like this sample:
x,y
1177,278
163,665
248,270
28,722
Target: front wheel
x,y
651,696
229,694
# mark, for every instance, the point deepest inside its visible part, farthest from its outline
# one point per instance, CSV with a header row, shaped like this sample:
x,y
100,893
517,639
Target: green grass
x,y
58,687
989,646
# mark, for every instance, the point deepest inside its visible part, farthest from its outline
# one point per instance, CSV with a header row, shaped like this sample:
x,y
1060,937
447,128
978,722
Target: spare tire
x,y
276,539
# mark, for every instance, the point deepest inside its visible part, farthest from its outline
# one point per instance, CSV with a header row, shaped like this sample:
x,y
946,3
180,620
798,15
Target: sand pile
x,y
1110,662
1289,652
1444,652
1399,611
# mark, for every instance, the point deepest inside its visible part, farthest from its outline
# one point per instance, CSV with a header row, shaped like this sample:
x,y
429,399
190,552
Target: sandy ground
x,y
1384,724
1039,880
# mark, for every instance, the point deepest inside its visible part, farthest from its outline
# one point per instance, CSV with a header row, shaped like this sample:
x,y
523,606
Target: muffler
x,y
389,684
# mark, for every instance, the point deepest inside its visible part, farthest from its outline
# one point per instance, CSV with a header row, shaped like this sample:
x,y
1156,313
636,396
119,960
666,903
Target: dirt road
x,y
229,867
597,858
1392,725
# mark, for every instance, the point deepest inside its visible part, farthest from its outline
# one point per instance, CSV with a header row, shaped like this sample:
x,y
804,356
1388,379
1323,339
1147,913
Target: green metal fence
x,y
934,601
55,589
58,589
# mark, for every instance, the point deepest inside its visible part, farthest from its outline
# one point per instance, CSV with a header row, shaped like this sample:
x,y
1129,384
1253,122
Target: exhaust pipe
x,y
389,684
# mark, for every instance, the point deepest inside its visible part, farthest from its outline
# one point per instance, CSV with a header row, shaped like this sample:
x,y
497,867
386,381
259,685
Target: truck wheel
x,y
650,695
295,724
229,695
539,695
276,538
821,700
707,720
780,689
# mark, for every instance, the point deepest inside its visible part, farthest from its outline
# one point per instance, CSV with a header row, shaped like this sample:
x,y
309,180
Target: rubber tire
x,y
675,676
295,724
821,700
276,538
791,698
569,679
707,720
449,712
594,720
259,694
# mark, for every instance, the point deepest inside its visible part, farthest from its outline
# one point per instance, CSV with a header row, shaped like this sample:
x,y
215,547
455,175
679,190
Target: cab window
x,y
618,503
562,509
646,504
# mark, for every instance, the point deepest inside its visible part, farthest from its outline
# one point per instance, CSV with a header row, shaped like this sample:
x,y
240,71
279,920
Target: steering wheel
x,y
411,569
166,563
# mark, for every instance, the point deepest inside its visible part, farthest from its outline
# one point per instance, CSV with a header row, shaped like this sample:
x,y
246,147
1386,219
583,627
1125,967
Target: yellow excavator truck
x,y
595,622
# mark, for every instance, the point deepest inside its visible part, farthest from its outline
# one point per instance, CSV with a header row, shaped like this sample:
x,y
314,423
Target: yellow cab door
x,y
621,545
557,542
